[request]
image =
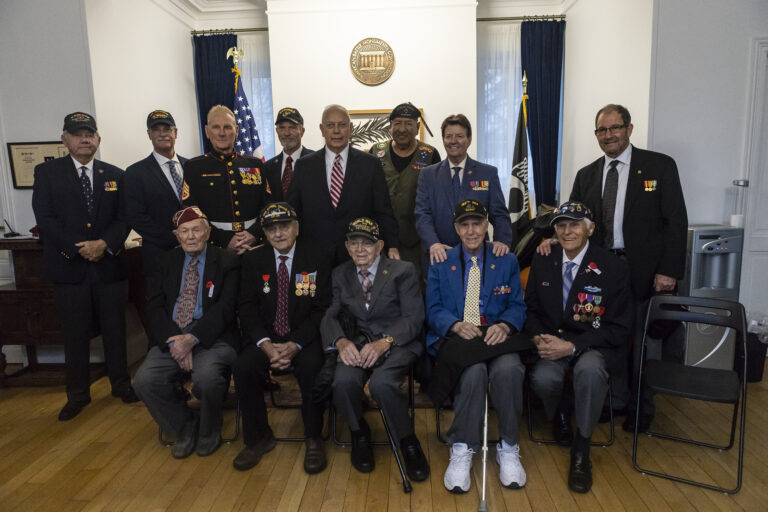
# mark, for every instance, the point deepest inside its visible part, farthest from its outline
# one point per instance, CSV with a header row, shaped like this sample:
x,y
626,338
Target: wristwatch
x,y
389,339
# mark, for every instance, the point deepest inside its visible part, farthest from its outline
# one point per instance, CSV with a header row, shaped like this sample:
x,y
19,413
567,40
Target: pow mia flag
x,y
519,201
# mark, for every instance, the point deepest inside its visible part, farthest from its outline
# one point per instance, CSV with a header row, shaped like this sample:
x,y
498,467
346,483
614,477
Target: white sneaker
x,y
457,479
511,472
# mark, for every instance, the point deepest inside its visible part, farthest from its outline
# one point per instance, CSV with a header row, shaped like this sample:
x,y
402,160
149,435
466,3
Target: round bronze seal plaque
x,y
372,61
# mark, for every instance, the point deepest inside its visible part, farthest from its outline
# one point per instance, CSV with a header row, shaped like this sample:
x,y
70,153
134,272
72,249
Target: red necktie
x,y
337,181
287,175
185,304
281,316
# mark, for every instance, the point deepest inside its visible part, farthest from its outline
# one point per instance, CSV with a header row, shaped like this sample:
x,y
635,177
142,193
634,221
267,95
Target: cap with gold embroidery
x,y
572,210
277,212
187,214
405,110
160,117
77,120
364,227
469,208
289,114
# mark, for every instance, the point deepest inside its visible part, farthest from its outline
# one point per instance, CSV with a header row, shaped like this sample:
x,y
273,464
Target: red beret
x,y
187,214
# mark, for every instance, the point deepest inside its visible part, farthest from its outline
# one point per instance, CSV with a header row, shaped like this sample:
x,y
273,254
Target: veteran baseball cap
x,y
572,210
365,227
406,110
277,212
77,120
187,214
469,208
289,114
159,117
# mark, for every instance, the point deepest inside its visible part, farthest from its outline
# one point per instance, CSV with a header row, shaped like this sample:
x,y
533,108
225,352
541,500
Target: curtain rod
x,y
265,29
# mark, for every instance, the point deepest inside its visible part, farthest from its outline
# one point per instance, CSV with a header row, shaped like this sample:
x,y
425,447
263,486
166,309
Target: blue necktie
x,y
456,185
85,182
176,178
567,281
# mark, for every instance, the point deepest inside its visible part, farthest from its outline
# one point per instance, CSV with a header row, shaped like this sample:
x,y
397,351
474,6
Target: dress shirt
x,y
372,269
622,168
461,166
289,265
88,169
163,163
577,260
330,157
198,313
294,156
467,265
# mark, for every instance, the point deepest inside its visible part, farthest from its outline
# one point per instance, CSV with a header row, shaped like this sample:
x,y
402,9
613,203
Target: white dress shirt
x,y
289,265
294,156
330,157
622,168
461,167
88,169
577,260
163,162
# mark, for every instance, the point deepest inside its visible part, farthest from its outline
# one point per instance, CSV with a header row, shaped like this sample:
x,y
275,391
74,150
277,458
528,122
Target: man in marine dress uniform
x,y
403,158
228,187
279,169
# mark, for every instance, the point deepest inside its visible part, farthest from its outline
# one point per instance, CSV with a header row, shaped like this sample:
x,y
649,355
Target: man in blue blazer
x,y
475,310
75,200
455,179
150,191
279,169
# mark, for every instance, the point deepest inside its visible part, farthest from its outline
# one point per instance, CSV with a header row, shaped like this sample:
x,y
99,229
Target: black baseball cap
x,y
277,212
159,117
572,210
289,114
77,120
365,227
405,110
469,208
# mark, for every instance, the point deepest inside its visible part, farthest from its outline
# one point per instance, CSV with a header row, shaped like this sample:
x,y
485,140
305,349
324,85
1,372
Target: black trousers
x,y
251,371
85,309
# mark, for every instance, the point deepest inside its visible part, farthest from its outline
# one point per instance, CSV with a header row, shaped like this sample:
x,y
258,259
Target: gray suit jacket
x,y
397,308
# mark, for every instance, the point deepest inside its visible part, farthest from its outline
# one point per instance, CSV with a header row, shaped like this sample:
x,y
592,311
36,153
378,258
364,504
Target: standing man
x,y
455,179
580,317
75,200
279,170
403,158
284,291
191,308
338,184
383,298
475,311
228,187
151,191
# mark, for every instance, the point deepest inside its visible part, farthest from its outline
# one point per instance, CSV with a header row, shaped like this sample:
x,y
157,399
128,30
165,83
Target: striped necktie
x,y
567,281
337,181
176,177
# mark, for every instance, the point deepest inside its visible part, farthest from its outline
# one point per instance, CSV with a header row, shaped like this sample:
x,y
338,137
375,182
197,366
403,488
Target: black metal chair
x,y
697,383
274,390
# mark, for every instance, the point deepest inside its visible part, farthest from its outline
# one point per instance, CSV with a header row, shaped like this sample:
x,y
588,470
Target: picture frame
x,y
370,126
24,156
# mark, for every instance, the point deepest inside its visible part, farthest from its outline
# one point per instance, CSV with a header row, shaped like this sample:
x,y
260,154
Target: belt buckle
x,y
237,226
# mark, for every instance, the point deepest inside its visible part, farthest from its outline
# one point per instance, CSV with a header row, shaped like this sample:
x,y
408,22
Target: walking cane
x,y
483,507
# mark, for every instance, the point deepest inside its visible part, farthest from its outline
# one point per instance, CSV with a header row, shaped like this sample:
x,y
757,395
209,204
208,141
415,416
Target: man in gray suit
x,y
383,298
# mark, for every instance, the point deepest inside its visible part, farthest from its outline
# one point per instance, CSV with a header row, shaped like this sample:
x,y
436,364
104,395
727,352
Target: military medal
x,y
596,322
299,292
312,284
265,277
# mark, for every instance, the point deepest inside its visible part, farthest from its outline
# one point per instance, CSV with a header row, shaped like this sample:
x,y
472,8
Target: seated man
x,y
284,291
191,306
579,316
382,297
475,309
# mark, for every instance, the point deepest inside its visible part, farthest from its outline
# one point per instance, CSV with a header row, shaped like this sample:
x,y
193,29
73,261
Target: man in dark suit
x,y
75,200
279,169
580,317
284,291
191,305
384,298
337,184
457,178
150,191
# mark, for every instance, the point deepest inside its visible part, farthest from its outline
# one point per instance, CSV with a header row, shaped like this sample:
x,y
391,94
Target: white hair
x,y
334,106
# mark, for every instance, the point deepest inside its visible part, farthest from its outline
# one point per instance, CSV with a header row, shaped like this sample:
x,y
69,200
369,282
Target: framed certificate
x,y
24,156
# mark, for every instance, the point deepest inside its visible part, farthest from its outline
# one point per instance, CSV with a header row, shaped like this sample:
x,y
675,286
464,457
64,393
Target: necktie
x,y
281,316
456,185
176,178
367,285
185,304
472,297
85,182
287,175
567,281
609,202
337,181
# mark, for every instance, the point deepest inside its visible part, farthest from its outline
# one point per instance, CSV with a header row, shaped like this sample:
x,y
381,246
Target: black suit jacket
x,y
63,219
655,221
148,202
609,287
222,272
258,309
364,194
272,171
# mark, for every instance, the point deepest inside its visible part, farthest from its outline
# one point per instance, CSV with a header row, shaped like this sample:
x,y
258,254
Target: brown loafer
x,y
314,457
251,455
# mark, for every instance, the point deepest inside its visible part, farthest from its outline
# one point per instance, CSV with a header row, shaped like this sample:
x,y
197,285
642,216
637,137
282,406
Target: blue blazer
x,y
435,203
501,292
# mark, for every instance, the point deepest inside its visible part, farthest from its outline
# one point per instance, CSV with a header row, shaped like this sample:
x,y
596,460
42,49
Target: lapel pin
x,y
101,171
385,271
453,267
639,171
493,266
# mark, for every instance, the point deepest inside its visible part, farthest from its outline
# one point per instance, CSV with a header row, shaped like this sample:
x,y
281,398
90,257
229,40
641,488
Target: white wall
x,y
433,41
607,60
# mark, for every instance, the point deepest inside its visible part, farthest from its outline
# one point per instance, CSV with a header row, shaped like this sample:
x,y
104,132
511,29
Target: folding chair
x,y
706,384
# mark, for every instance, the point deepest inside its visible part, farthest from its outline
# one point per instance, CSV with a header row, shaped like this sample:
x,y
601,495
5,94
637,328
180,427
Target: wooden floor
x,y
108,458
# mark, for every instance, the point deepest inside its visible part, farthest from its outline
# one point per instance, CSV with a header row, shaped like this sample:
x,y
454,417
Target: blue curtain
x,y
542,44
213,76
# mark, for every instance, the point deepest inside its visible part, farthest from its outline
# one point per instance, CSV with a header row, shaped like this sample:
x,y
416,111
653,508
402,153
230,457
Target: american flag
x,y
248,141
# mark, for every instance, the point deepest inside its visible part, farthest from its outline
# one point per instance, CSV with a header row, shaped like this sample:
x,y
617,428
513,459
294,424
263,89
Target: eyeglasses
x,y
365,244
610,130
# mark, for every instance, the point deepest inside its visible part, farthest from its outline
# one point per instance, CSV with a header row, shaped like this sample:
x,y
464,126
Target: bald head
x,y
336,128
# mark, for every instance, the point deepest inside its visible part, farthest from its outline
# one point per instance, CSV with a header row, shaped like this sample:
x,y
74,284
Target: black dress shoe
x,y
643,425
129,397
561,429
72,409
206,445
362,451
580,474
186,440
416,465
251,455
314,456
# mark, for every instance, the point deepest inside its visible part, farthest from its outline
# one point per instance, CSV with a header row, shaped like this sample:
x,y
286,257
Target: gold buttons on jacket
x,y
88,225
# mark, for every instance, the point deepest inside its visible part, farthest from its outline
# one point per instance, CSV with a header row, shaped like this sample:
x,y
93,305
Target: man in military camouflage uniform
x,y
228,187
403,157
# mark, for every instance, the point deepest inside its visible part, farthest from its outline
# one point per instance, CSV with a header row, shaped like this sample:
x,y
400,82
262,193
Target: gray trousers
x,y
154,384
590,387
505,374
385,386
